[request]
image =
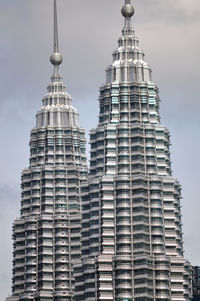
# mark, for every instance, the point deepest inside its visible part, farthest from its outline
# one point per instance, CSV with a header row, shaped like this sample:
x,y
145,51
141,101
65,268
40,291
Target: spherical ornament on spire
x,y
127,11
56,59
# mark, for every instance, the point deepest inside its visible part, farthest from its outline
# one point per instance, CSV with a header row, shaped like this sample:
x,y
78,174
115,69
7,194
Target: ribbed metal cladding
x,y
115,234
47,234
132,246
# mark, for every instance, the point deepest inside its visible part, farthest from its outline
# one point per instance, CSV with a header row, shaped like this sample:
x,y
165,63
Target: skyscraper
x,y
196,283
132,245
47,233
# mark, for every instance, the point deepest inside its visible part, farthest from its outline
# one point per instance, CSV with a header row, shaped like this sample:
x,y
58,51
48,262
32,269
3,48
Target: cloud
x,y
9,209
189,7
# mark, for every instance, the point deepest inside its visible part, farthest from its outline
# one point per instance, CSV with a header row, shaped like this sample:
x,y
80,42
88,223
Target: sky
x,y
168,31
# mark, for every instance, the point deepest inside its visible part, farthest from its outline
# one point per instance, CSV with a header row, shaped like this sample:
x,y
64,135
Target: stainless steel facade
x,y
47,234
115,234
132,246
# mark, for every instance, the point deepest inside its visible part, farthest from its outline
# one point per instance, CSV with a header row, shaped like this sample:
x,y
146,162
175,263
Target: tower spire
x,y
56,48
127,12
56,58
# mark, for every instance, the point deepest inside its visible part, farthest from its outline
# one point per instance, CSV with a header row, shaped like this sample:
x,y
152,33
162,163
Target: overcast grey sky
x,y
169,32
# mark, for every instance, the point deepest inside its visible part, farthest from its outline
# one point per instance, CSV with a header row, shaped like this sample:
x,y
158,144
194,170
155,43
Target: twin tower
x,y
112,233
